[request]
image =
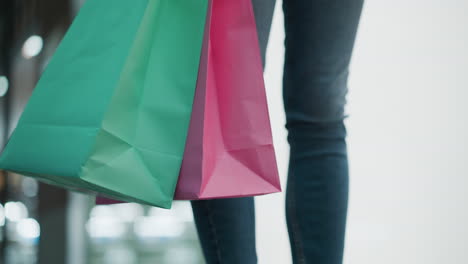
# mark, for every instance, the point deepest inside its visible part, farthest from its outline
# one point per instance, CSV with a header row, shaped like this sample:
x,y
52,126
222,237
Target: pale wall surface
x,y
408,137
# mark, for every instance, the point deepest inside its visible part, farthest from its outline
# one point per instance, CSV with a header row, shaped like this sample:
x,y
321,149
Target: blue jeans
x,y
319,41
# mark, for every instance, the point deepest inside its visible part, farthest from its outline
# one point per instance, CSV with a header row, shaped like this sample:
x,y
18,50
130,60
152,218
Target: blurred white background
x,y
407,136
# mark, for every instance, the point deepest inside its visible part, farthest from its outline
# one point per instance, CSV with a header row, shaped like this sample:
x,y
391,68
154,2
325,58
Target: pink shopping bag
x,y
229,150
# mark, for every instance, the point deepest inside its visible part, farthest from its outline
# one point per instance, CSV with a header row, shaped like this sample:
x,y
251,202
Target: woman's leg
x,y
226,227
320,36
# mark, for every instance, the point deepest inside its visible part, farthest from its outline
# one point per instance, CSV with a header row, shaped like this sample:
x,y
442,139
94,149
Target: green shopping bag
x,y
111,112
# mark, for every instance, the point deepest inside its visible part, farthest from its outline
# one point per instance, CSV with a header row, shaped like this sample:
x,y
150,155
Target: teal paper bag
x,y
111,112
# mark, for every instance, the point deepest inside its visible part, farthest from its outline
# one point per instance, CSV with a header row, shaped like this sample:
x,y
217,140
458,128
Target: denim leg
x,y
263,10
319,41
226,227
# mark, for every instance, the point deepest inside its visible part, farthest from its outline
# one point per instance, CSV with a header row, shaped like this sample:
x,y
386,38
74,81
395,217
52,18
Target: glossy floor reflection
x,y
132,233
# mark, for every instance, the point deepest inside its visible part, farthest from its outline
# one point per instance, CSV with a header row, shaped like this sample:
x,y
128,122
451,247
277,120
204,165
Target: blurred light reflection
x,y
28,230
15,211
158,227
2,215
128,212
3,85
105,228
29,187
32,46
